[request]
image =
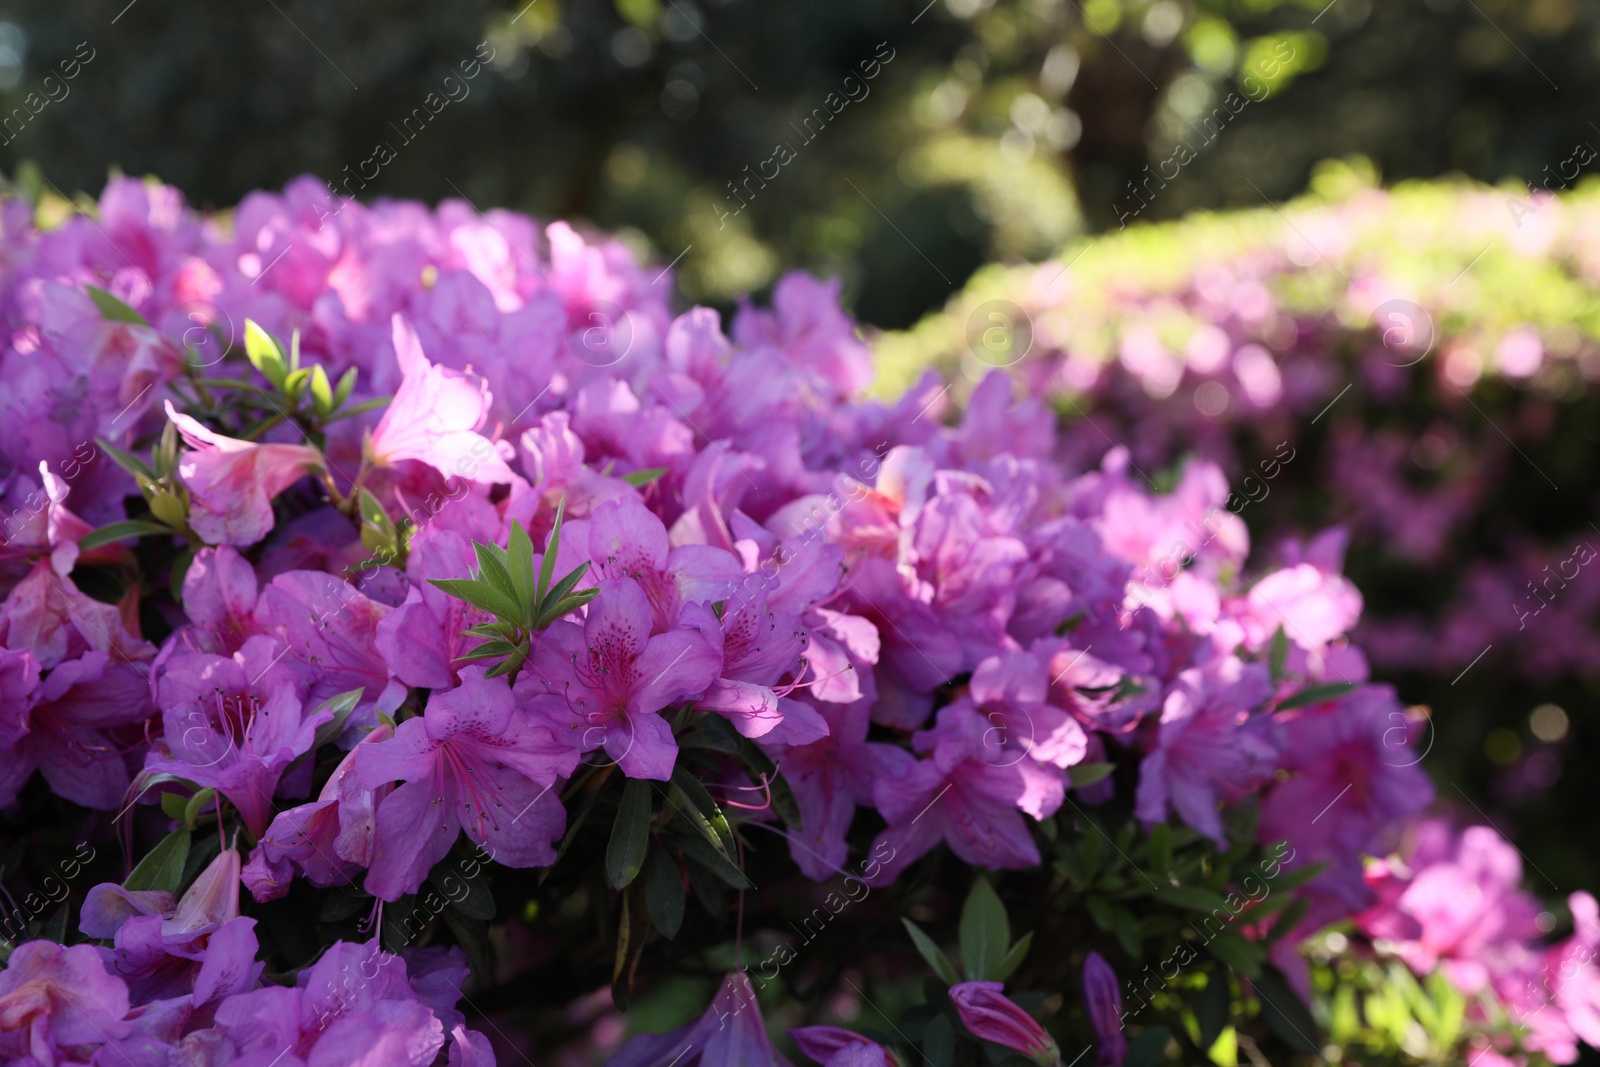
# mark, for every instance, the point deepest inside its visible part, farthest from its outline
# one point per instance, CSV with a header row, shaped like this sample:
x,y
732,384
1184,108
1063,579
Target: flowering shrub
x,y
442,632
1429,354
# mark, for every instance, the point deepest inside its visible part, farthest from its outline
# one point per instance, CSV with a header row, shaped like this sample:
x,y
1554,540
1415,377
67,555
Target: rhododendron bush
x,y
420,645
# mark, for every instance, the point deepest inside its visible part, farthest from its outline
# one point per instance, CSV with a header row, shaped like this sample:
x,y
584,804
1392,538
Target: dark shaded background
x,y
999,129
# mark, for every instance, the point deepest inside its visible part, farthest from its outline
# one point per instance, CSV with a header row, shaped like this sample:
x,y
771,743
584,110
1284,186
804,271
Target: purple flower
x,y
603,684
729,1034
330,839
1208,748
199,948
472,763
232,483
1102,999
626,540
64,723
988,1013
967,796
1354,777
54,1001
435,418
832,1046
235,724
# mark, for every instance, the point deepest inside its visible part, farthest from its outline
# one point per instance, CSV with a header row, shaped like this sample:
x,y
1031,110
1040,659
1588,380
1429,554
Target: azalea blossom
x,y
232,483
472,763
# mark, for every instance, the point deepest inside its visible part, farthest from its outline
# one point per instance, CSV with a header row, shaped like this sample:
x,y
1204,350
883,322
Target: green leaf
x,y
1316,694
1149,1048
640,479
360,409
294,384
1213,1007
700,853
555,612
663,892
931,953
480,595
1191,898
196,806
939,1042
341,706
1278,654
321,390
162,868
547,565
1012,960
1233,950
488,650
563,587
1161,848
120,531
492,569
264,353
126,460
697,806
1285,1014
985,931
630,835
510,663
519,561
112,309
341,392
1084,775
174,804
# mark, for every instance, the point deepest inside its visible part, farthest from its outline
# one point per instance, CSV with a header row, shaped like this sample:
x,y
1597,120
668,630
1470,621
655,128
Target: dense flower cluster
x,y
459,521
1428,351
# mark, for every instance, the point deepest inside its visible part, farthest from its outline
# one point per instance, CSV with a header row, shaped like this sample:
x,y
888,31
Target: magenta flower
x,y
65,733
833,1046
232,483
219,596
1208,748
435,418
55,1001
471,763
989,1014
49,616
830,778
235,724
604,684
199,948
330,839
330,628
729,1034
1102,999
355,1005
423,639
626,540
1354,777
1010,691
967,795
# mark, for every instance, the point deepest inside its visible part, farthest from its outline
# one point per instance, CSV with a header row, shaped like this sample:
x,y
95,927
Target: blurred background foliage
x,y
997,130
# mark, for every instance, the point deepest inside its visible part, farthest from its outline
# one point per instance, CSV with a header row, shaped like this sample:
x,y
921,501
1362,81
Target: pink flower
x,y
1208,748
65,738
989,1014
232,483
832,1046
967,794
471,763
605,683
54,1000
435,418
